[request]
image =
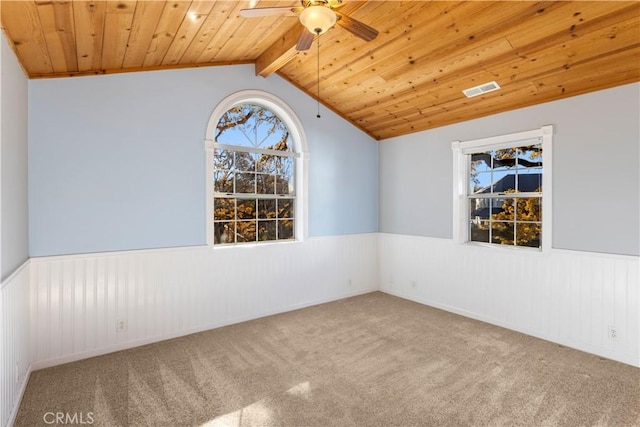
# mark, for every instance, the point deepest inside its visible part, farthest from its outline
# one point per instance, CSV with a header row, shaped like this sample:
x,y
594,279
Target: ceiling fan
x,y
317,16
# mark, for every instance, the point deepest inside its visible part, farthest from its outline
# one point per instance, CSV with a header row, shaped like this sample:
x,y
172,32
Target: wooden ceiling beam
x,y
279,53
284,50
362,55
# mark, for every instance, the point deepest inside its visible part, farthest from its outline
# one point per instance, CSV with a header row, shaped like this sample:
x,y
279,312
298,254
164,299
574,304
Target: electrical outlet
x,y
414,284
349,282
122,325
613,333
17,373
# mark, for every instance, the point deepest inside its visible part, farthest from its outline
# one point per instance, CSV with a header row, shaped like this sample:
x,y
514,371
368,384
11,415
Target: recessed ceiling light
x,y
193,16
481,89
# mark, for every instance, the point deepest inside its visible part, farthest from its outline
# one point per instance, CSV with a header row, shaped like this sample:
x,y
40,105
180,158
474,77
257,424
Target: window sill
x,y
505,248
249,245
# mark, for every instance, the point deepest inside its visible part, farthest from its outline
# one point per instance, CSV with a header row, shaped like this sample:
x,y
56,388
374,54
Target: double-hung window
x,y
252,166
502,189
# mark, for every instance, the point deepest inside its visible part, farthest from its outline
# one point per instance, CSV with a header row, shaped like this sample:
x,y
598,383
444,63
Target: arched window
x,y
255,169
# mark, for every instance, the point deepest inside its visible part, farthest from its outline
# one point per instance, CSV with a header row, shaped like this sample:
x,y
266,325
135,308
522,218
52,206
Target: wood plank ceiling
x,y
408,79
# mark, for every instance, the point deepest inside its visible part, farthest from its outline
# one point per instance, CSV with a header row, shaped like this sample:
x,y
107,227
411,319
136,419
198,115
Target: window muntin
x,y
254,172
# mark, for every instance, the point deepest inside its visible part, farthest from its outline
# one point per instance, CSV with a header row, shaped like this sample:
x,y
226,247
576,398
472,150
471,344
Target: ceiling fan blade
x,y
356,27
270,11
304,41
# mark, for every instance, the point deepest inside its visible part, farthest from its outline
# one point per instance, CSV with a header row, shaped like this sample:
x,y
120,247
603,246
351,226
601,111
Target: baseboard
x,y
16,405
137,343
623,358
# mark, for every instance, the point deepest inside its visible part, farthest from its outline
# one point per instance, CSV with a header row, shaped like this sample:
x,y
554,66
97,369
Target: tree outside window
x,y
253,173
505,196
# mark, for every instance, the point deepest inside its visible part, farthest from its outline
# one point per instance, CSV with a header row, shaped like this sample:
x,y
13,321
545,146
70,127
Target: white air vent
x,y
479,90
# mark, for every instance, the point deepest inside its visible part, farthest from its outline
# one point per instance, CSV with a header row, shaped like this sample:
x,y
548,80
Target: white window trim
x,y
294,125
460,175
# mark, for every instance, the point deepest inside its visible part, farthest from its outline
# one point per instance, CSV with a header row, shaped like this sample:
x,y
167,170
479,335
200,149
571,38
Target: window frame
x,y
299,153
462,151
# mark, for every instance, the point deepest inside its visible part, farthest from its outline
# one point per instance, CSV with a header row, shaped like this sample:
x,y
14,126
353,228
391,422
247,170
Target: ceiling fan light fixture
x,y
318,19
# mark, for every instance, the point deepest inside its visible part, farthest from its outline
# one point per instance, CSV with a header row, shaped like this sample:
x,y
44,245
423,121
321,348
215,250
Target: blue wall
x,y
596,171
14,226
116,162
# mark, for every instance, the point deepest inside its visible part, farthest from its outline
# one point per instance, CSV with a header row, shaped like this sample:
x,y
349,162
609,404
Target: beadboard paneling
x,y
567,297
15,355
79,300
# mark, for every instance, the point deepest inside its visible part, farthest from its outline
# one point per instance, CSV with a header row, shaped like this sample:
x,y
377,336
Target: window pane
x,y
530,180
235,125
504,159
502,232
246,231
246,209
266,209
479,231
224,209
504,181
528,234
266,184
222,159
479,208
284,185
283,144
253,126
267,163
285,165
285,208
480,183
223,181
267,230
530,156
245,161
285,229
528,210
502,209
480,162
223,232
245,182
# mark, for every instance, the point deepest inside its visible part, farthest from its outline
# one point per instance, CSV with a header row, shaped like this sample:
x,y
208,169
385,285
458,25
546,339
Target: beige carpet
x,y
372,360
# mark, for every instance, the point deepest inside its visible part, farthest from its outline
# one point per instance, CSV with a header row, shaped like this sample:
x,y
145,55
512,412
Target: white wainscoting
x,y
571,298
78,301
15,354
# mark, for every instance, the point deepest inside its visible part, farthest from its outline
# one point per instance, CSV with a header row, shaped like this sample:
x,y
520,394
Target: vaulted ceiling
x,y
408,79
